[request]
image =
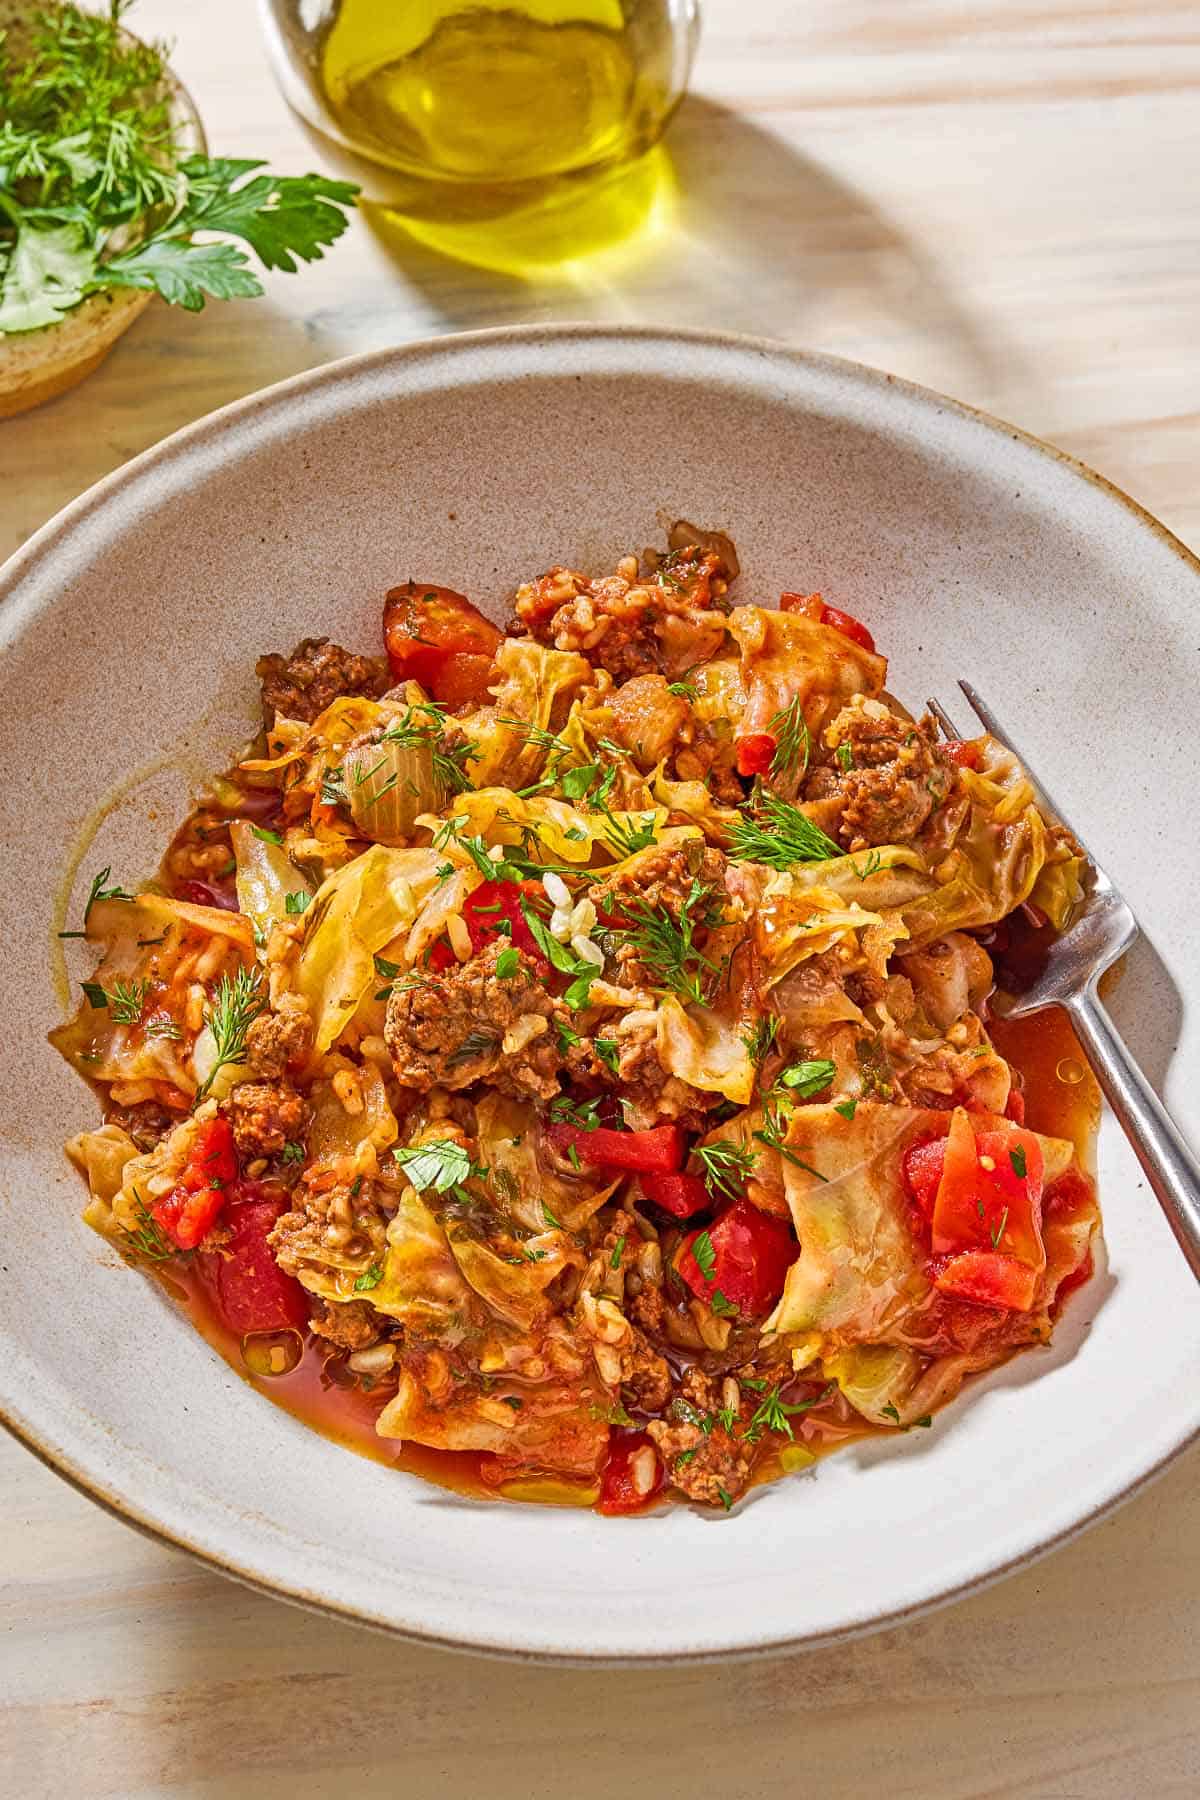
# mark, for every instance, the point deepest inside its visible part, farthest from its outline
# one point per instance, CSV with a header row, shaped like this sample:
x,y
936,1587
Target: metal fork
x,y
1103,931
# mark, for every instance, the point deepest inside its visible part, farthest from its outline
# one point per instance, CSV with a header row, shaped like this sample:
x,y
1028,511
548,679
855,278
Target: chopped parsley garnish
x,y
626,836
608,1050
845,758
726,1498
560,957
579,1113
229,1016
778,835
442,1166
368,1279
847,1108
808,1078
292,1153
549,1218
721,1305
705,1255
724,1165
567,1039
922,1423
388,970
614,1261
507,964
297,903
686,690
268,837
1017,1159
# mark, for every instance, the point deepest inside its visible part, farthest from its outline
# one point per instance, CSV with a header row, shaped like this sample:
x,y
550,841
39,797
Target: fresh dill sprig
x,y
409,731
760,1039
724,1166
233,1009
793,744
148,1241
626,836
473,1046
124,1000
778,835
775,1414
666,946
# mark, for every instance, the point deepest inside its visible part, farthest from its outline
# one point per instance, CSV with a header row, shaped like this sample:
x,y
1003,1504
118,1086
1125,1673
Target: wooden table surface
x,y
999,199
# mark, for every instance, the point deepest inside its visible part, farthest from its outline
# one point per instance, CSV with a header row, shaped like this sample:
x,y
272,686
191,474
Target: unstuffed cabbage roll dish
x,y
559,1061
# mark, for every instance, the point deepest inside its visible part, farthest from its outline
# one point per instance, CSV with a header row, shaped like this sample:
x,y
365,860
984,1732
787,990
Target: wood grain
x,y
998,200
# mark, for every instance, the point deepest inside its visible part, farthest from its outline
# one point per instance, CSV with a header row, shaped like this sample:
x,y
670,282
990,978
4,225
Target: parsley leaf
x,y
441,1166
808,1078
705,1255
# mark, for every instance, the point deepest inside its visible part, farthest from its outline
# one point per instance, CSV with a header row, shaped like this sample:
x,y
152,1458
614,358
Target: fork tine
x,y
990,722
949,728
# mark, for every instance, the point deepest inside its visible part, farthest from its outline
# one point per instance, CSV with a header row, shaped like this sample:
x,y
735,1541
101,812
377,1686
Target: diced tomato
x,y
680,1195
493,902
810,606
206,893
657,1151
849,626
988,1278
250,1290
441,956
187,1218
923,1172
435,636
463,681
755,753
1014,1106
188,1213
618,1494
963,751
990,1194
1070,1193
751,1253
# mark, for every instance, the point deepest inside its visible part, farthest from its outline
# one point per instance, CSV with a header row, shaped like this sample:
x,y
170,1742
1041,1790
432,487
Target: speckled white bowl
x,y
130,627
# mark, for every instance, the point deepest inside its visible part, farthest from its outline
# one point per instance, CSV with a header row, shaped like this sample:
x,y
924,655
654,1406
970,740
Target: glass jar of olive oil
x,y
488,108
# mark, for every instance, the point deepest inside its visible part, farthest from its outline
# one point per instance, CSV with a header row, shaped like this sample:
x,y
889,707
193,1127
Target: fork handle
x,y
1171,1169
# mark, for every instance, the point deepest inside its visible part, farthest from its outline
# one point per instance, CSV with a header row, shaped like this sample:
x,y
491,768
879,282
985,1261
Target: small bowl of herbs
x,y
108,196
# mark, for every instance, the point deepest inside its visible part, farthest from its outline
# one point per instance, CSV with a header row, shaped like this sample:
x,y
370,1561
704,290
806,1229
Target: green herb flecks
x,y
793,744
442,1167
704,1254
775,1414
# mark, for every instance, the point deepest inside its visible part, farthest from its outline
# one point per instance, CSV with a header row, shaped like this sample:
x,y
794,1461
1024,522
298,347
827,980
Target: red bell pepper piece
x,y
250,1290
756,753
849,626
435,636
617,1491
989,1278
188,1213
680,1195
657,1151
746,1259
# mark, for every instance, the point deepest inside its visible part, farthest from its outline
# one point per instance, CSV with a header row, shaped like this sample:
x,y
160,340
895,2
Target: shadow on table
x,y
755,235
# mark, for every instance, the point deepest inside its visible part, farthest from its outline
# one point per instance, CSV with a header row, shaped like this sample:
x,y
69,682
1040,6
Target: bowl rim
x,y
264,402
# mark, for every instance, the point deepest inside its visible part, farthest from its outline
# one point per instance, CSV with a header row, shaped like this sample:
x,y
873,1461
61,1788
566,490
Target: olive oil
x,y
531,113
485,93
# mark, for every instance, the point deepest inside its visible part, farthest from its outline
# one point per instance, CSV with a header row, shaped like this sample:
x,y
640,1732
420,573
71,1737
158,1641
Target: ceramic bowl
x,y
130,627
36,366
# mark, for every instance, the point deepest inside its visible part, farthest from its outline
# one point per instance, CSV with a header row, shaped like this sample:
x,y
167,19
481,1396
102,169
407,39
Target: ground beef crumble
x,y
887,777
347,1324
302,685
279,1042
266,1115
466,1024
